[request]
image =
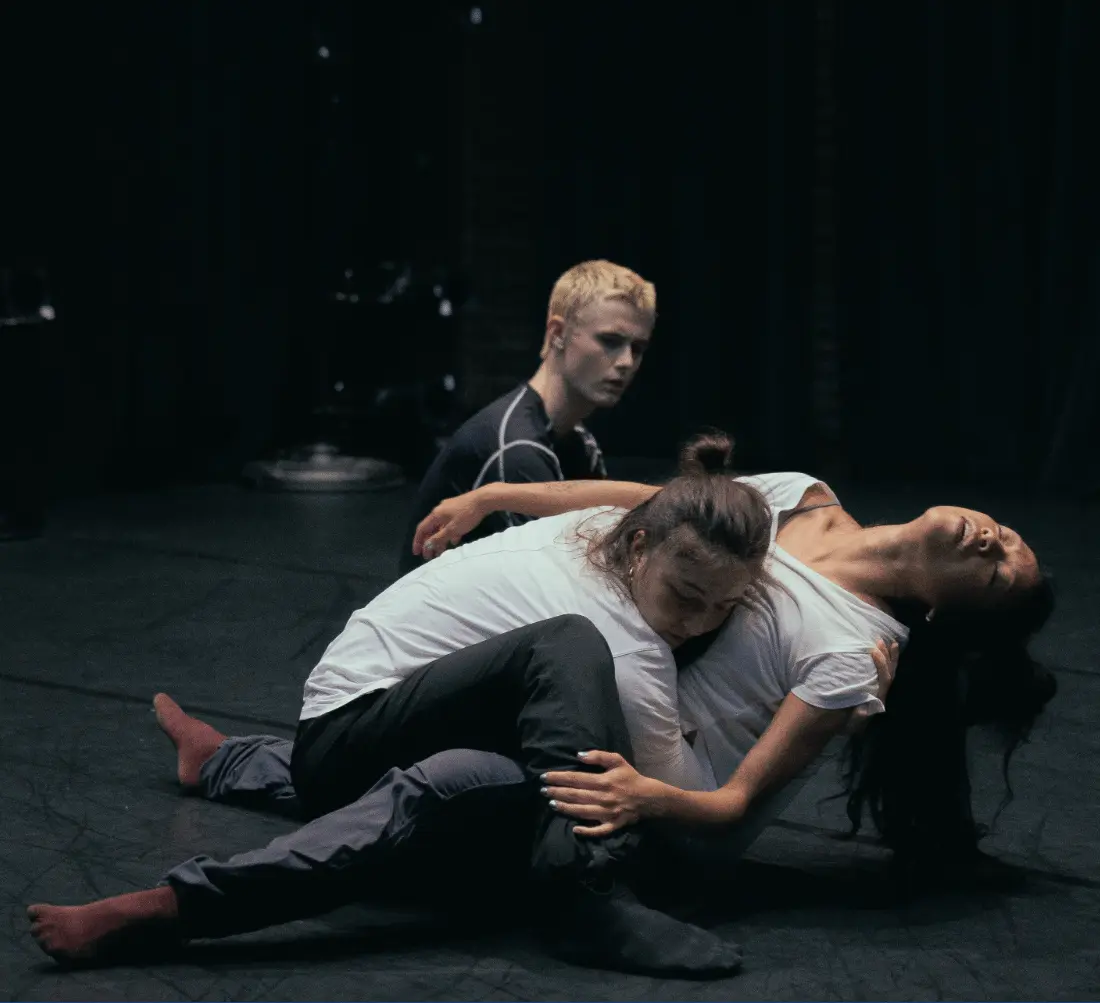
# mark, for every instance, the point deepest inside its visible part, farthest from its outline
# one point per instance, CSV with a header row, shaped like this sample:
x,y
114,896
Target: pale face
x,y
601,351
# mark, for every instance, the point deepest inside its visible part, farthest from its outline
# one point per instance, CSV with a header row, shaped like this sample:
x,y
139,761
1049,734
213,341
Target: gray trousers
x,y
252,771
460,811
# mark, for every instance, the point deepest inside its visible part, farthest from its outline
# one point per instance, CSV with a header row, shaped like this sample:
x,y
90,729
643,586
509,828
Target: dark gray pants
x,y
252,771
458,811
383,769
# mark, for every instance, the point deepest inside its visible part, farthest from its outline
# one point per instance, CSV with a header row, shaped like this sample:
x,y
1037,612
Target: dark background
x,y
873,227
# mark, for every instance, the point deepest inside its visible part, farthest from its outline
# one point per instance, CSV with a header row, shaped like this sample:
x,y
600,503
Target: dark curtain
x,y
970,238
197,179
160,158
679,143
162,182
966,271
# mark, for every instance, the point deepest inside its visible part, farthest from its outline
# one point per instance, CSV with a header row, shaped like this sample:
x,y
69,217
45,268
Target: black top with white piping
x,y
509,440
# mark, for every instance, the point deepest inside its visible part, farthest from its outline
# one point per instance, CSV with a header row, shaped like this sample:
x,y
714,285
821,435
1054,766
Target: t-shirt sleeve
x,y
837,680
647,690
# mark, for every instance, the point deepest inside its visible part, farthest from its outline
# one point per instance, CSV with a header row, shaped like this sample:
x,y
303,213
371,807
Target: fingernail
x,y
582,755
553,804
544,790
542,777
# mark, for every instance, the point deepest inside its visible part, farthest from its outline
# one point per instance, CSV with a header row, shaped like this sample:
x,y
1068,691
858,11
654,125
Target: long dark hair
x,y
728,516
908,769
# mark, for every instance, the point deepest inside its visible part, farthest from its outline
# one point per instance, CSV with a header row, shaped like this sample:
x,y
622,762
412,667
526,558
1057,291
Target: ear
x,y
554,339
638,544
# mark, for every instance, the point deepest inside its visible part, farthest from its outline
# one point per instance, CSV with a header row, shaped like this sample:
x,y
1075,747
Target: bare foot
x,y
195,740
83,933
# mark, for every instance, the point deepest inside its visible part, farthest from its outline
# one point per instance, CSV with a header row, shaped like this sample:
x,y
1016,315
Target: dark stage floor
x,y
225,598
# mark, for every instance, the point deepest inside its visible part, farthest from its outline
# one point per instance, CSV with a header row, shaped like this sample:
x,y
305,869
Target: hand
x,y
610,800
447,524
886,664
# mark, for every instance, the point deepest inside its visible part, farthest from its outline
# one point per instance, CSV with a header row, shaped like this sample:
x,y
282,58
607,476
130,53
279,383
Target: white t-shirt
x,y
483,589
811,638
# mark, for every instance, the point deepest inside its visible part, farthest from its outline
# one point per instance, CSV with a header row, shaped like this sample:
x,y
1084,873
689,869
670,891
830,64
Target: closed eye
x,y
997,565
687,602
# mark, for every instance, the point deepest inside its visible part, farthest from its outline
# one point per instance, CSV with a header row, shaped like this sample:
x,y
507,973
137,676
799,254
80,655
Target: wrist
x,y
658,799
487,499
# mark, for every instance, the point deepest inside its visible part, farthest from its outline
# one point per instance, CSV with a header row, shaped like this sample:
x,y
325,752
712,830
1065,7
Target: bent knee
x,y
577,629
458,770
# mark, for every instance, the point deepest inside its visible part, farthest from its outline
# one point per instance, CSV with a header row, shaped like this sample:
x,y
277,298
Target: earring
x,y
630,575
931,613
559,343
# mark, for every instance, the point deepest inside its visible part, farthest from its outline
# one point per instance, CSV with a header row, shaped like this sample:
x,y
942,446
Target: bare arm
x,y
563,496
796,736
621,796
451,520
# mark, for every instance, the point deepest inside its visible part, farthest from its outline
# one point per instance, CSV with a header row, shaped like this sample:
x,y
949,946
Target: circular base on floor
x,y
322,468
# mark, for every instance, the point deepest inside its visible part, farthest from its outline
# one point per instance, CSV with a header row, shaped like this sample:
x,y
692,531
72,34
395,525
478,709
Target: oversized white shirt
x,y
809,637
514,578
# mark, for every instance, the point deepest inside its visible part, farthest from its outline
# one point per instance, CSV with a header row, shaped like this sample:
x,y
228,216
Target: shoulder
x,y
784,489
508,427
551,546
483,428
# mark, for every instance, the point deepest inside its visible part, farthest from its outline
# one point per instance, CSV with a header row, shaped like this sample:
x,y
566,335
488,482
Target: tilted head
x,y
690,553
598,326
966,663
966,560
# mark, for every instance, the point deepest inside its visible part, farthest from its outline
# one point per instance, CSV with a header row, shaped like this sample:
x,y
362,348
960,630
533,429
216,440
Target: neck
x,y
876,563
563,408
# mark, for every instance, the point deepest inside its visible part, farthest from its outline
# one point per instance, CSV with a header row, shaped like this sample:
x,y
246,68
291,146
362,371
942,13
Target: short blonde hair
x,y
592,281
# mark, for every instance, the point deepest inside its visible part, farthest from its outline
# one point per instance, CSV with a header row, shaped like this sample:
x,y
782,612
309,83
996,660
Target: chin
x,y
943,520
606,398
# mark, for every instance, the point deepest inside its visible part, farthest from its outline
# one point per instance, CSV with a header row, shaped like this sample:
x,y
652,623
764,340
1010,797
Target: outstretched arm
x,y
452,519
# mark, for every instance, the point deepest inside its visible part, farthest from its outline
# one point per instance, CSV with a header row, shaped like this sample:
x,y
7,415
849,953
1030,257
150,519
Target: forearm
x,y
555,497
796,736
725,806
